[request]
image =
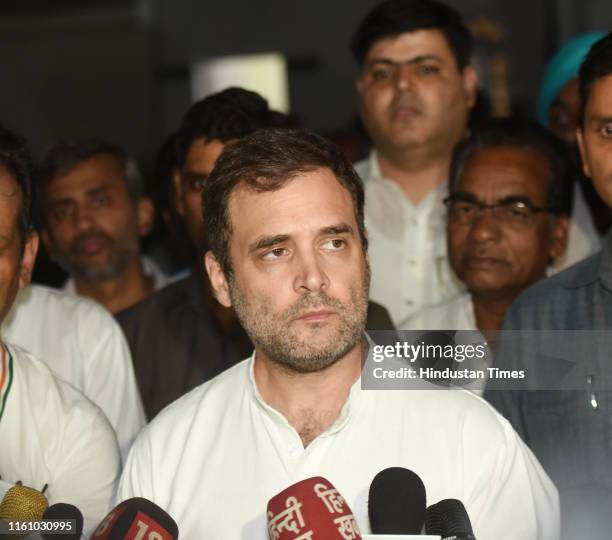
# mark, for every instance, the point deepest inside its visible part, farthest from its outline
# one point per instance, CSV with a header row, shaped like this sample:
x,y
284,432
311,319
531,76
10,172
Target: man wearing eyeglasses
x,y
507,221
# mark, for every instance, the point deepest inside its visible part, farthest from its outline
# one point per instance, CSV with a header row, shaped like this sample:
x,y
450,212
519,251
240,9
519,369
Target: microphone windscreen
x,y
136,519
311,508
449,519
23,503
396,503
64,511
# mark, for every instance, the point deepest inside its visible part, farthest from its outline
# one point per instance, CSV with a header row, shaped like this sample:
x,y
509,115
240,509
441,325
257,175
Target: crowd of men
x,y
210,391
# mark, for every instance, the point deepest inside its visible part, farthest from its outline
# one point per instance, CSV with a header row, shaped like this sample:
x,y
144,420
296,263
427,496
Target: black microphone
x,y
64,511
449,519
136,518
397,502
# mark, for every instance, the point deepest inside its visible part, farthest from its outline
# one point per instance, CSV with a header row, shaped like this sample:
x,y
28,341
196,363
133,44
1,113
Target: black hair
x,y
61,158
395,17
226,115
596,65
267,160
524,134
16,159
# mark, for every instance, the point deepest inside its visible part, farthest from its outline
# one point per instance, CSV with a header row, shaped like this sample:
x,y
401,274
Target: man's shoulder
x,y
38,305
555,292
450,315
206,403
157,306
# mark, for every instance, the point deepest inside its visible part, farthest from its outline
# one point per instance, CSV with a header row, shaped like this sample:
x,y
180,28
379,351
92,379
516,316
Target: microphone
x,y
136,519
64,511
450,520
311,508
397,502
23,503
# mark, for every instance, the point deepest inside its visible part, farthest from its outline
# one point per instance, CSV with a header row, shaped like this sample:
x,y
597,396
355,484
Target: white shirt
x,y
83,344
456,314
160,280
583,239
407,245
216,456
51,434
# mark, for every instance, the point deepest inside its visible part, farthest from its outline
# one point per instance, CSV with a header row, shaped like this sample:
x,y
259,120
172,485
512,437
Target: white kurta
x,y
81,343
216,456
51,434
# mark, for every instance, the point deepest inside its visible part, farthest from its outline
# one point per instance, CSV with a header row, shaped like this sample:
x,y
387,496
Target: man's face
x,y
497,254
93,227
15,264
412,93
199,162
564,113
300,278
595,138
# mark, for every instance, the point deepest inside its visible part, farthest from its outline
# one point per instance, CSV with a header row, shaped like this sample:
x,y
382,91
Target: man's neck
x,y
311,402
418,172
127,289
490,310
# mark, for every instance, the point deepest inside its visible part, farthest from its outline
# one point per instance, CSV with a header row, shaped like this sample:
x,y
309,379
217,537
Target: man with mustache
x,y
283,216
94,214
416,88
508,208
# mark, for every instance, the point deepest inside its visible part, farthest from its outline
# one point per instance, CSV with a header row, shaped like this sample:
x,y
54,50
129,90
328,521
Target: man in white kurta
x,y
298,280
215,457
81,343
51,435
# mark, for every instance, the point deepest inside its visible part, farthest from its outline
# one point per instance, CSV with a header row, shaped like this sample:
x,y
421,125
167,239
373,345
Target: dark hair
x,y
596,65
15,158
226,115
523,134
265,161
395,17
64,157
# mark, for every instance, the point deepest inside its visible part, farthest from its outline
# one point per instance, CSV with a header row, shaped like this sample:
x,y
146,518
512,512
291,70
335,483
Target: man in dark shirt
x,y
181,336
566,416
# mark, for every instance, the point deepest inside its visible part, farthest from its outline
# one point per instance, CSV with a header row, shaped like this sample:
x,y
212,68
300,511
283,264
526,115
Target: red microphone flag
x,y
311,510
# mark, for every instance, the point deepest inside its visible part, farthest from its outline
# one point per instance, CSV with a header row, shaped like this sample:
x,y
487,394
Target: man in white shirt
x,y
508,212
83,344
93,215
52,438
416,88
283,214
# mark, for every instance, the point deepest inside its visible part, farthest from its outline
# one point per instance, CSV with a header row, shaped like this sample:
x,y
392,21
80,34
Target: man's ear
x,y
179,205
470,85
559,237
28,259
217,279
586,168
146,216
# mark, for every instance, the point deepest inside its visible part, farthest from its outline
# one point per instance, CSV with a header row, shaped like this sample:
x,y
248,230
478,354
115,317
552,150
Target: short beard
x,y
270,332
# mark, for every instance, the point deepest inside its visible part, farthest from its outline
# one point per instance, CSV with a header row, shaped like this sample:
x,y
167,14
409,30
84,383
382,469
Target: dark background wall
x,y
119,69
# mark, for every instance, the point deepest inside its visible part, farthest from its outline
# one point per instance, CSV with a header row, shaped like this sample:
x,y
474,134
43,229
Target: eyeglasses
x,y
514,212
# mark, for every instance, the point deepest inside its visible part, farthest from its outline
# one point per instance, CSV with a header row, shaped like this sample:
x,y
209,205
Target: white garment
x,y
216,456
407,245
583,240
160,280
456,314
51,434
83,344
